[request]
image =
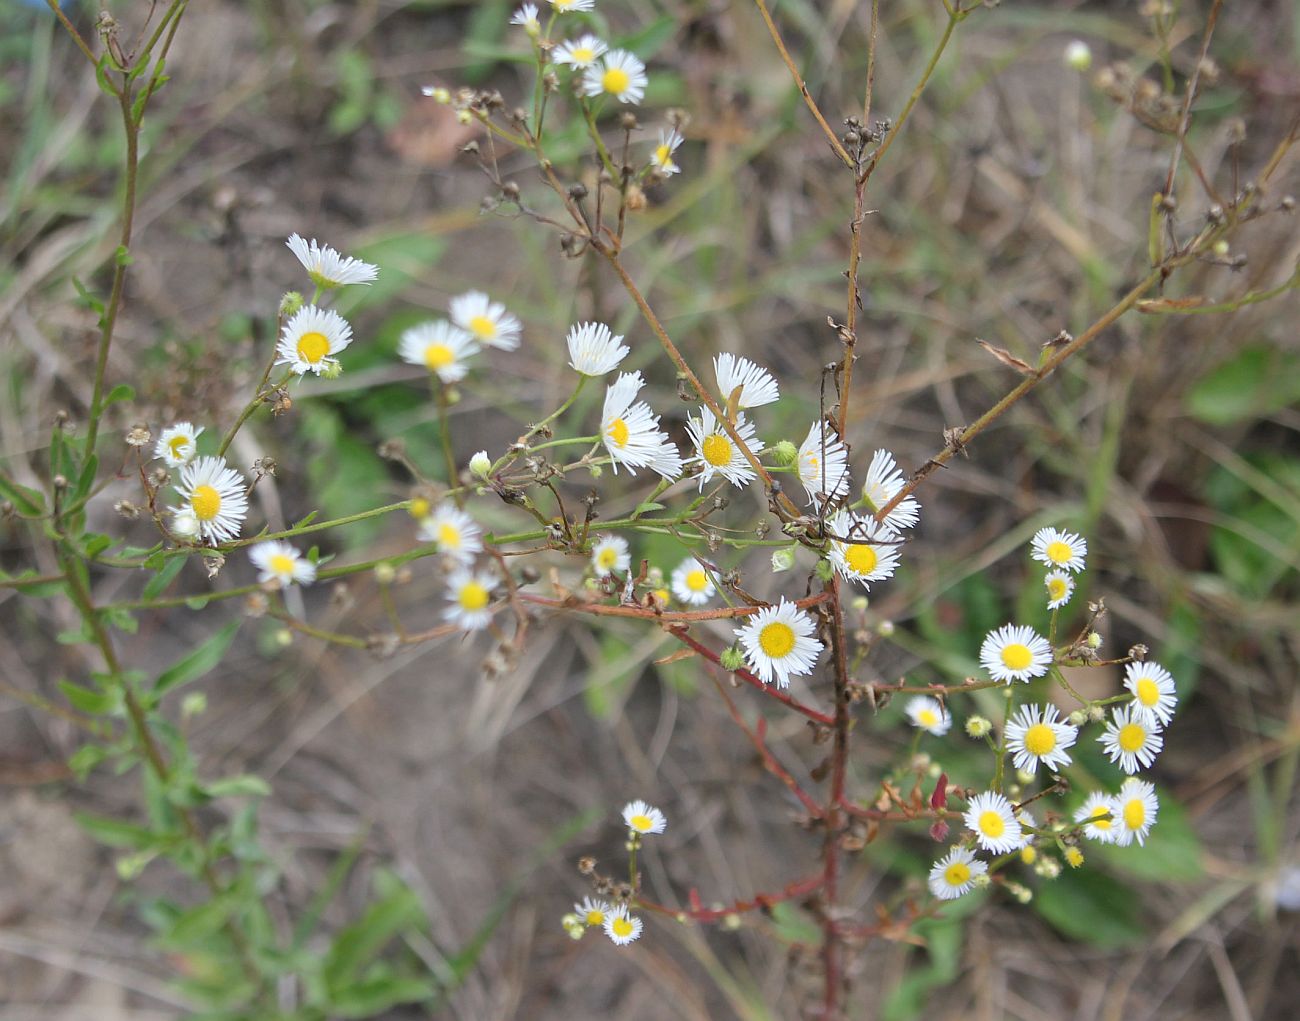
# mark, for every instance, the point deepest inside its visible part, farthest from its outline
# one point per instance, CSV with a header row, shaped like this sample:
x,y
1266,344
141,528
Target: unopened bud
x,y
785,453
1078,55
479,464
290,303
782,559
385,573
732,659
978,727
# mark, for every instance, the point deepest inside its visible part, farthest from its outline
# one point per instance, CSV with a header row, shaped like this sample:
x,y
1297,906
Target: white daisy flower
x,y
644,818
1015,654
1055,548
928,714
185,523
717,453
1153,690
631,433
327,268
757,386
861,549
526,17
691,583
995,825
824,465
593,911
311,339
621,927
569,6
594,349
1132,738
954,874
441,348
609,553
582,52
778,640
1036,734
469,593
216,495
1137,806
662,158
278,561
1060,587
1097,804
884,482
454,532
178,444
487,321
620,74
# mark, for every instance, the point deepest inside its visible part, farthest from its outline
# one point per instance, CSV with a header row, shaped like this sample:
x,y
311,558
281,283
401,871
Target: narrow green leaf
x,y
87,477
1091,908
159,582
90,701
117,833
197,663
28,502
237,786
121,392
357,944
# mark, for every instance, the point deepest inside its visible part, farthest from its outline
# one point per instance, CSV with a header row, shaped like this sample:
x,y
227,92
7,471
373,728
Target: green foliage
x,y
1257,381
1092,908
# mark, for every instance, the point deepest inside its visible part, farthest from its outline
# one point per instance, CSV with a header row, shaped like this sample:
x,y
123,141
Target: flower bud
x,y
1078,718
782,559
1078,55
479,464
1094,640
290,303
732,659
785,453
385,573
419,508
1073,857
185,524
978,727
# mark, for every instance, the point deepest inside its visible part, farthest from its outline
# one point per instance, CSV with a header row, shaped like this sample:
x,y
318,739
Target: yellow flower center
x,y
449,535
595,918
664,156
1135,814
928,718
641,823
1059,552
472,596
582,54
438,356
1101,824
177,444
615,80
1016,656
716,450
205,502
312,347
1148,693
992,824
1040,739
1056,588
622,926
482,327
419,508
607,558
1074,856
776,639
618,432
1132,736
860,557
957,874
697,581
561,5
282,564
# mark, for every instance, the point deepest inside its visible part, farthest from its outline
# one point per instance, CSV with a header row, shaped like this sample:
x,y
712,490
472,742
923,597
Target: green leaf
x,y
648,41
646,508
357,944
121,392
86,299
28,502
87,700
96,544
197,663
1255,383
87,477
159,582
122,256
376,993
116,833
1091,908
86,758
794,925
237,786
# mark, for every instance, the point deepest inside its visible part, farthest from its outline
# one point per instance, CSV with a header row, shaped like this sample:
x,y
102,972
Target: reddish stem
x,y
799,888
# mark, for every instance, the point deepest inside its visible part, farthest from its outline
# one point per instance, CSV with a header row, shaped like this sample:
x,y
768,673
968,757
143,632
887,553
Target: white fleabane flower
x,y
619,74
630,431
327,268
1015,654
662,158
1092,814
453,531
581,52
717,453
954,873
644,818
593,910
1055,548
178,444
928,714
1060,587
757,386
487,321
778,641
440,347
691,583
1137,806
569,6
1036,734
311,339
526,17
216,495
1153,690
278,561
861,549
995,825
884,481
469,593
1132,738
823,465
594,349
609,553
621,927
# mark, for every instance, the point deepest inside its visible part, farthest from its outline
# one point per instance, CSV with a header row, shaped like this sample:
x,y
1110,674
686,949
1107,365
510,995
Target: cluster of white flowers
x,y
616,918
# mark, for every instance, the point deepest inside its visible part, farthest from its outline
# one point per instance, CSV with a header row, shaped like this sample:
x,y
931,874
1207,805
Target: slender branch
x,y
799,888
1185,119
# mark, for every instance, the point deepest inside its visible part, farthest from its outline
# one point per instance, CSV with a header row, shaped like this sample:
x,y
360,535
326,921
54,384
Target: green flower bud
x,y
785,453
732,659
290,303
782,559
978,727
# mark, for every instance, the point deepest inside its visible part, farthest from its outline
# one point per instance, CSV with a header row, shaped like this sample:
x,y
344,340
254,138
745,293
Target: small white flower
x,y
621,927
582,52
311,339
480,464
593,911
630,431
823,465
757,386
884,482
778,641
954,874
1096,805
691,583
1015,654
662,158
327,268
178,444
619,74
1078,55
996,828
185,523
1036,734
215,494
609,553
487,321
1137,808
441,348
453,531
569,6
526,17
1132,738
1063,550
861,549
1060,587
278,561
644,818
1153,690
717,453
469,594
594,349
928,714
